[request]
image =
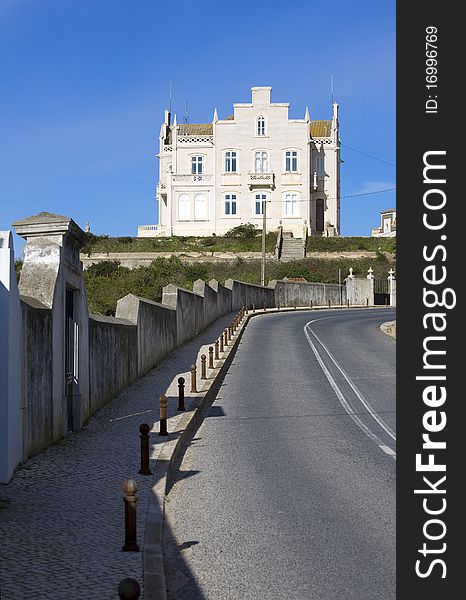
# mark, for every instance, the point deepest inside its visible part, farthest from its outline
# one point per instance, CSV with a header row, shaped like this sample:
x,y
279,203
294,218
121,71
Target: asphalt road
x,y
288,489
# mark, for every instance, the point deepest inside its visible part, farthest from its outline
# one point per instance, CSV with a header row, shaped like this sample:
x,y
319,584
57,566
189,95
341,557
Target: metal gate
x,y
381,292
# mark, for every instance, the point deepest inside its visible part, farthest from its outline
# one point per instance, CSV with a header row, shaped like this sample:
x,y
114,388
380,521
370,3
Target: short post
x,y
221,343
144,431
246,310
329,302
225,338
229,332
129,589
278,305
193,379
367,301
253,308
211,357
181,393
347,302
163,415
295,306
130,488
265,307
203,366
216,350
311,304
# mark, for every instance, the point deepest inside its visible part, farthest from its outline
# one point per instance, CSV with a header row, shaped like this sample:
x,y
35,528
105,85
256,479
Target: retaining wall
x,y
113,358
247,294
301,293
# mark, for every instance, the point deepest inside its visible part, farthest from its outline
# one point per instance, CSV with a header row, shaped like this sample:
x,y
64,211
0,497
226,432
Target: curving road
x,y
288,490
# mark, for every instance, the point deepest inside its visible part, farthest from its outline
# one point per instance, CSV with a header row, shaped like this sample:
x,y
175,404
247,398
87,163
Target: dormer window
x,y
196,165
260,125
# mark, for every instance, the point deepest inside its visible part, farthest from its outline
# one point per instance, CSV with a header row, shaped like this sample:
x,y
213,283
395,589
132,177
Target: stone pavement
x,y
62,515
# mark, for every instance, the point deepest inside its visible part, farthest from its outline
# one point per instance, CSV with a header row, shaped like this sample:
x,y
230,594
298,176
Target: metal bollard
x,y
246,310
225,337
311,304
253,308
181,393
229,332
278,306
347,302
129,589
144,431
265,307
329,302
193,379
221,344
163,415
130,488
367,301
216,350
203,366
211,357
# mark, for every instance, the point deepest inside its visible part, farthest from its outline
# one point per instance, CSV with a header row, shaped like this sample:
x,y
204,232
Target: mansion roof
x,y
195,129
321,128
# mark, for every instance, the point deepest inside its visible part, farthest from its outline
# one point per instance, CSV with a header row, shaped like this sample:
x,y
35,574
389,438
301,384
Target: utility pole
x,y
264,222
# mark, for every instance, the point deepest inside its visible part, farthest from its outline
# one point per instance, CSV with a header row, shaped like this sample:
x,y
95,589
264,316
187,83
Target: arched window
x,y
291,204
184,211
261,125
200,206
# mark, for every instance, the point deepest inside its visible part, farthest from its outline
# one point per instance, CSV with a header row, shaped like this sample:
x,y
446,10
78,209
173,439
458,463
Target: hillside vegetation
x,y
244,238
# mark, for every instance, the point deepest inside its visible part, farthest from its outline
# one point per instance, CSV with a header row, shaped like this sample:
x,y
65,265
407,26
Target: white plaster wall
x,y
10,363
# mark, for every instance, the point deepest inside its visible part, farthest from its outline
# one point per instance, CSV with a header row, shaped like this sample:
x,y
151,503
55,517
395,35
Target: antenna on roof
x,y
186,117
170,96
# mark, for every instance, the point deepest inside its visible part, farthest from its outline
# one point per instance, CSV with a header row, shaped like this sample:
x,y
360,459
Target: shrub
x,y
246,232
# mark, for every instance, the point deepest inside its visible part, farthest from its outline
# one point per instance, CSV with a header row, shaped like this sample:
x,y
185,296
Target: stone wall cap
x,y
45,223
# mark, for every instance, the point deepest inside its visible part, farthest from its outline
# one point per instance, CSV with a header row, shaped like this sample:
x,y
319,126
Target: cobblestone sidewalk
x,y
62,516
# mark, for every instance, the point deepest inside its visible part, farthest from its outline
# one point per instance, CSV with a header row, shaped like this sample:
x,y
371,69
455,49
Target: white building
x,y
215,176
387,224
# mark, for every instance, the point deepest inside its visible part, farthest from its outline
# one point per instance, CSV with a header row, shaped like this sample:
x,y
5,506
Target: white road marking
x,y
358,393
343,400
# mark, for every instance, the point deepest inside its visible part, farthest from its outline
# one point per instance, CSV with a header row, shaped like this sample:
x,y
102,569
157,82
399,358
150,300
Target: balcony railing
x,y
201,178
261,180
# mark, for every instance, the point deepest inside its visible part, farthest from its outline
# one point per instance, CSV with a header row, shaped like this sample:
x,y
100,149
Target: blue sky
x,y
85,82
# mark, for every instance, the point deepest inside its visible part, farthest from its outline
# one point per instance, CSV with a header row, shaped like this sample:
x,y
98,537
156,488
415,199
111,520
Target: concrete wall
x,y
247,294
211,312
300,293
156,329
37,386
223,297
360,291
189,311
113,358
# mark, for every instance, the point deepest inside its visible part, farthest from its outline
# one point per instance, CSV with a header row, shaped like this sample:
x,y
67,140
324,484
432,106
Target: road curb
x,y
172,451
389,328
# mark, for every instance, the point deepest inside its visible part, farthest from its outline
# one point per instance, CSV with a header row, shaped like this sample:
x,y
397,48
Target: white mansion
x,y
215,176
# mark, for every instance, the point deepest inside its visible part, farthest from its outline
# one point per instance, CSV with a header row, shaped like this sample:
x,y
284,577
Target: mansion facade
x,y
215,176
